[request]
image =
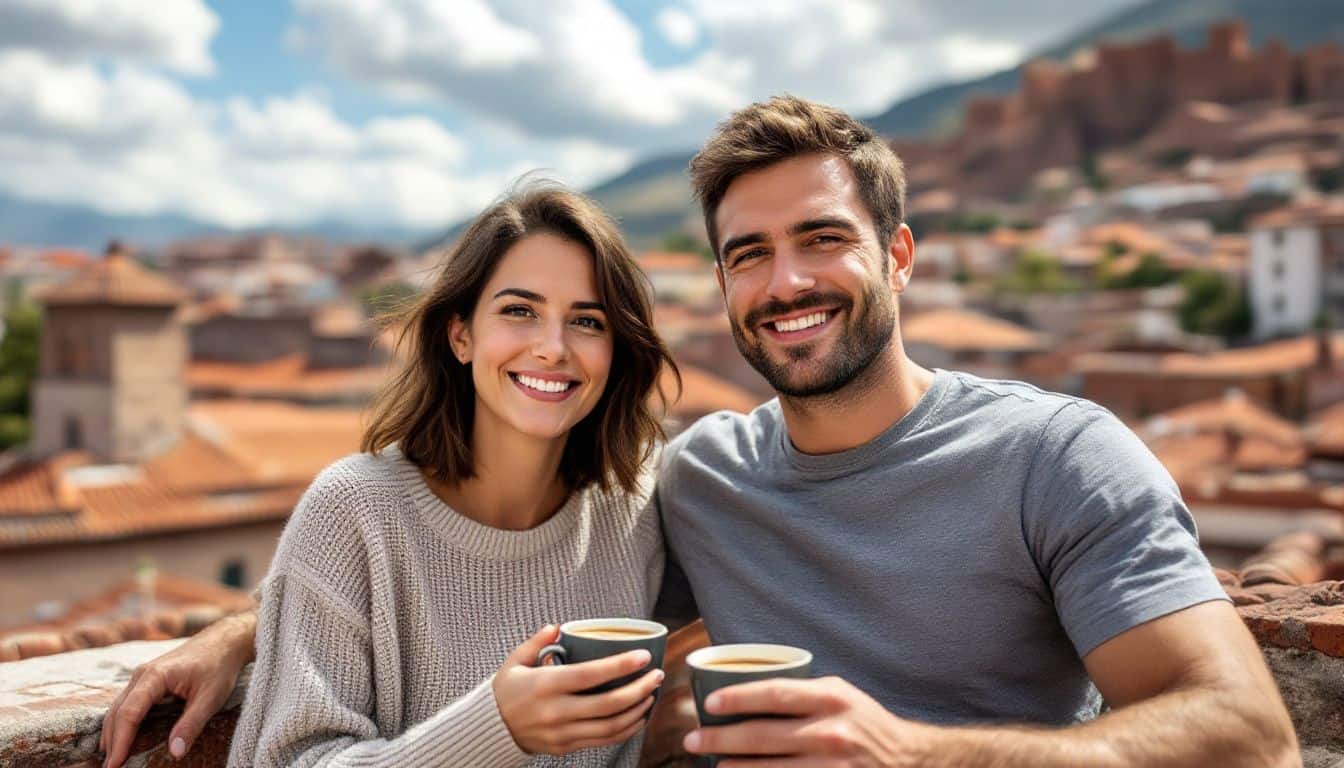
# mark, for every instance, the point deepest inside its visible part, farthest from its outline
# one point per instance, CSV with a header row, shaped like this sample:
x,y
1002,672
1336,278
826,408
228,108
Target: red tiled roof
x,y
702,392
962,330
238,462
115,279
283,377
664,261
160,608
1327,212
1264,359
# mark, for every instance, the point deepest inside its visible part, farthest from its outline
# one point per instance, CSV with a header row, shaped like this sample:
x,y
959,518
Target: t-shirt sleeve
x,y
1108,529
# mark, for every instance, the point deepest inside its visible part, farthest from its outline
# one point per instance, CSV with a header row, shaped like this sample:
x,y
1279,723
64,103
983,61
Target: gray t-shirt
x,y
956,567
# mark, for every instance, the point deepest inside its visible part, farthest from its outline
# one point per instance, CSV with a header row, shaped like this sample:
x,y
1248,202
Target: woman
x,y
501,488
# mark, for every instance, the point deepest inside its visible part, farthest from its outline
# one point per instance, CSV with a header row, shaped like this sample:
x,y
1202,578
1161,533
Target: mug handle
x,y
557,650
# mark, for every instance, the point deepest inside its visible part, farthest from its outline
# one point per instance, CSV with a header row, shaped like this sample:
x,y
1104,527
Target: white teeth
x,y
542,385
800,323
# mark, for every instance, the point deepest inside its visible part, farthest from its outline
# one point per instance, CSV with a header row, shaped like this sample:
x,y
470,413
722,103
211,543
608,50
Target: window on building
x,y
74,434
1277,270
1278,237
232,574
1280,304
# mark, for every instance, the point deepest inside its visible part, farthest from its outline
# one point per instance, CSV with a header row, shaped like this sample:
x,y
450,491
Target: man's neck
x,y
878,398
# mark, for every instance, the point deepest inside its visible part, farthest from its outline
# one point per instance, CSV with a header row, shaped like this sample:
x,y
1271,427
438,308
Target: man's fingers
x,y
777,696
596,705
753,737
573,678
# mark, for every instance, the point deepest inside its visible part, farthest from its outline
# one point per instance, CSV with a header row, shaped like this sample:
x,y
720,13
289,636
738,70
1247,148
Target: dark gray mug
x,y
586,640
713,668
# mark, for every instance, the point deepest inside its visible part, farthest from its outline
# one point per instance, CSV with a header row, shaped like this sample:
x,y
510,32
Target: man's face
x,y
810,290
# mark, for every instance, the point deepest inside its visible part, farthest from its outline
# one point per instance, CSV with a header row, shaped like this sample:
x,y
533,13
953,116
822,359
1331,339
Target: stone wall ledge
x,y
52,707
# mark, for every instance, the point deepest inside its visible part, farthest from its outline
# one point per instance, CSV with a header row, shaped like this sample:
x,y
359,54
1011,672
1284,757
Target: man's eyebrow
x,y
812,225
537,297
734,243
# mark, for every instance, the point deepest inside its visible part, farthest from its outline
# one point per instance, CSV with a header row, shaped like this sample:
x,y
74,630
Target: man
x,y
976,565
968,560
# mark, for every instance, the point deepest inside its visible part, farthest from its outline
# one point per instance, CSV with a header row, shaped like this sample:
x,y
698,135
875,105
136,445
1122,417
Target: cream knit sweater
x,y
385,615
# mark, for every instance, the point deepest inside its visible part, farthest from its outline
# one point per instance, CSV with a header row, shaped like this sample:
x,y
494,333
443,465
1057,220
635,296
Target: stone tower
x,y
111,376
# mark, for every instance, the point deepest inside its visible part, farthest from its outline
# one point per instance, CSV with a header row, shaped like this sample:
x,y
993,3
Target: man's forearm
x,y
1213,727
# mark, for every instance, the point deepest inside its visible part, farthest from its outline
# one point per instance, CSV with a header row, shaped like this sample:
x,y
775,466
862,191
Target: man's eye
x,y
747,255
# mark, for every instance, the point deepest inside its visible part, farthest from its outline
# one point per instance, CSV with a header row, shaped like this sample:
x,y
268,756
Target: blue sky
x,y
413,113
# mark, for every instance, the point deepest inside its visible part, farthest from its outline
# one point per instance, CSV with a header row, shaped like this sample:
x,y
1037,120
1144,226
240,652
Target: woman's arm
x,y
312,695
203,671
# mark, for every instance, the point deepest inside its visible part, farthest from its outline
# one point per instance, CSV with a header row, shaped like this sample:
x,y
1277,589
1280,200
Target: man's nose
x,y
789,275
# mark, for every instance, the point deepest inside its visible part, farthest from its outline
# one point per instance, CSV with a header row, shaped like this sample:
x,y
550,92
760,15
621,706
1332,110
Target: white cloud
x,y
575,68
678,27
170,33
135,142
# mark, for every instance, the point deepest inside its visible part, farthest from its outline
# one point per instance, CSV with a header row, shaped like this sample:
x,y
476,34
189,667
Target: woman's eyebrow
x,y
537,297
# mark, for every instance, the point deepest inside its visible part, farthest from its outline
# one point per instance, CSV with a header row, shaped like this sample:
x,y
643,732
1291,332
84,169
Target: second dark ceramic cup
x,y
575,646
711,670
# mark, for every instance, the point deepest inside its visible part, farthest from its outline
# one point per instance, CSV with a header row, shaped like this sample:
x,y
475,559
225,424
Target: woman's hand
x,y
544,711
203,670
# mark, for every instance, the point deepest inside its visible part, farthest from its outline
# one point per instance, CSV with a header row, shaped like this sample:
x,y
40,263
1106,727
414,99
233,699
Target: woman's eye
x,y
517,310
590,322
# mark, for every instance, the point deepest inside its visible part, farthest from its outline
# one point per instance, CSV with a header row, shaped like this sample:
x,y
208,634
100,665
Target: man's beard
x,y
859,344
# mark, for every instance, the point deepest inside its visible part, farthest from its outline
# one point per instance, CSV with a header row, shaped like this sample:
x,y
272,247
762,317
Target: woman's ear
x,y
459,338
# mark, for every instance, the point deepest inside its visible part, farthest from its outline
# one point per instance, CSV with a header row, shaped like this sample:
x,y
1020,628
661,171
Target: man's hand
x,y
826,722
202,670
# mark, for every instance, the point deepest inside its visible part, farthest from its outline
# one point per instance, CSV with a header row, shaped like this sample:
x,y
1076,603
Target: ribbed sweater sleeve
x,y
312,694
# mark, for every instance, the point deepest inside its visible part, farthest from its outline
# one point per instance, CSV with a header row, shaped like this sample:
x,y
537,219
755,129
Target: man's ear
x,y
459,338
901,255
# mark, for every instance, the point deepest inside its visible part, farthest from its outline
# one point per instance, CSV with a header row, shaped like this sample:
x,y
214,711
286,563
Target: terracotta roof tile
x,y
159,608
664,261
1327,212
286,377
115,279
1263,359
240,461
703,392
962,330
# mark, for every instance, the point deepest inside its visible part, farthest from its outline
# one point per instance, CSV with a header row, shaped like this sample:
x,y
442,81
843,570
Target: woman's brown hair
x,y
429,406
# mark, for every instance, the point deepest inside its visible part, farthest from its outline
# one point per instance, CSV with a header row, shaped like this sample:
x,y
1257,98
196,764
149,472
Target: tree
x,y
1151,272
1215,305
680,242
1037,272
18,367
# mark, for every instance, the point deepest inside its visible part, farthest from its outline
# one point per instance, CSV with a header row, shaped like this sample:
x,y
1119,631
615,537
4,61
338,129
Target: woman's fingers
x,y
607,730
525,655
599,705
572,678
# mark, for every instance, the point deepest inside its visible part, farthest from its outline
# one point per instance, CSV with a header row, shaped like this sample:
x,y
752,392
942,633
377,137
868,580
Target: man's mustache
x,y
775,308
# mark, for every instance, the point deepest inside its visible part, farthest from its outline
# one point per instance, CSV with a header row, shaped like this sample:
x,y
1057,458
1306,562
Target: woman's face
x,y
538,342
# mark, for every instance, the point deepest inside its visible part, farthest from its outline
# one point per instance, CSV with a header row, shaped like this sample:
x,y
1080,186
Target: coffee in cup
x,y
591,639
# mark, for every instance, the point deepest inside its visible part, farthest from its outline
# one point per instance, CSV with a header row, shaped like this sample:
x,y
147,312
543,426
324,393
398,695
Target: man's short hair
x,y
785,127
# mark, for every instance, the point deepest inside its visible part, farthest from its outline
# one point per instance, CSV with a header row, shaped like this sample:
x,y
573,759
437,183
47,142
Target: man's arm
x,y
1187,689
203,671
